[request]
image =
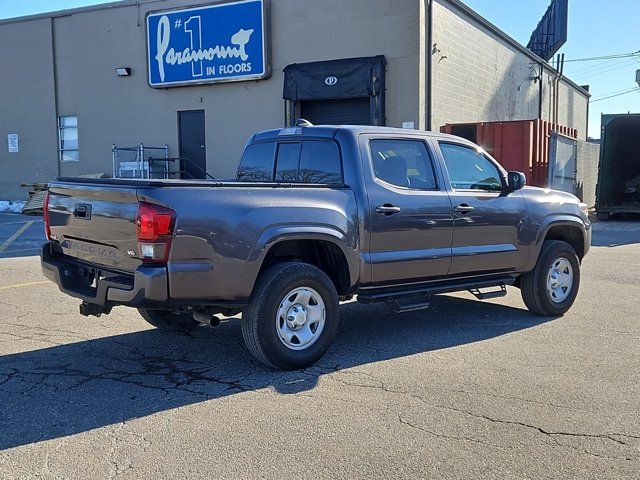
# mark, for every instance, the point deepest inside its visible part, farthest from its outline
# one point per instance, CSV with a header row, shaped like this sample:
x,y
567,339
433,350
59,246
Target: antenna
x,y
301,122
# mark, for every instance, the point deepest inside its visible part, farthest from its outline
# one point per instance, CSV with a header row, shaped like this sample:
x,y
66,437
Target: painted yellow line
x,y
26,284
13,237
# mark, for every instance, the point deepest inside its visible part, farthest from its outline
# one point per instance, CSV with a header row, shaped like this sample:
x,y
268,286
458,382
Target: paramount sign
x,y
217,43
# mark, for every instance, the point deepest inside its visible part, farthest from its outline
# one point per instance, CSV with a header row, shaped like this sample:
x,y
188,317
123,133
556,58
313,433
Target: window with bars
x,y
68,138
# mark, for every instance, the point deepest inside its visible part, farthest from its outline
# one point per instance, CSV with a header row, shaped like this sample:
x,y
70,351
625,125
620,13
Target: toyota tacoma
x,y
316,215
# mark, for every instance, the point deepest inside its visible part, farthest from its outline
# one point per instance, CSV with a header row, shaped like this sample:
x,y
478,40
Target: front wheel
x,y
552,286
292,317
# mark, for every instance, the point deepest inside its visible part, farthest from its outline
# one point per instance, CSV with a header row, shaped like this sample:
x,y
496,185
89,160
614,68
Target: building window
x,y
68,138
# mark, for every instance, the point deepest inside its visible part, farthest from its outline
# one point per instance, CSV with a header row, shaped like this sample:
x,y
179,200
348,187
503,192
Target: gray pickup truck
x,y
316,215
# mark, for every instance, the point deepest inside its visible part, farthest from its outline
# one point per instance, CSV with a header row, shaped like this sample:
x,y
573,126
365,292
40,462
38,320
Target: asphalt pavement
x,y
466,389
20,235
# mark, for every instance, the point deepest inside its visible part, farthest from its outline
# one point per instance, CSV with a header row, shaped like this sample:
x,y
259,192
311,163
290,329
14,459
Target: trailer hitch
x,y
88,309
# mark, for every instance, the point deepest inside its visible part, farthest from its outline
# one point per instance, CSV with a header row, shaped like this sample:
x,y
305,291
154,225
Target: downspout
x,y
55,92
540,79
429,106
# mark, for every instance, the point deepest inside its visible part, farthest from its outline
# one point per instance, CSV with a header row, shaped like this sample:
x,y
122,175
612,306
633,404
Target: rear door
x,y
96,223
410,217
490,223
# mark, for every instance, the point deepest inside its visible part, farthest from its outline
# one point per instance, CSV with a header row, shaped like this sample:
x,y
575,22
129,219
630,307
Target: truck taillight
x,y
45,214
155,229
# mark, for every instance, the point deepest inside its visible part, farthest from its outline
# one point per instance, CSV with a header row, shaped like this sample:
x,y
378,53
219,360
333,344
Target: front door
x,y
410,215
490,226
192,144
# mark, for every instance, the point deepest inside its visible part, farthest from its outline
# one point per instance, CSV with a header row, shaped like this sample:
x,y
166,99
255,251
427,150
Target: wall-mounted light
x,y
123,71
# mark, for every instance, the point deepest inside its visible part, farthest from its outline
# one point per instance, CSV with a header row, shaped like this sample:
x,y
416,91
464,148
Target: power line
x,y
602,70
605,57
636,89
604,64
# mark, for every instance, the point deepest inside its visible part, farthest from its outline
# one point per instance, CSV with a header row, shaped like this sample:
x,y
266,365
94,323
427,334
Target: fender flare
x,y
328,233
556,220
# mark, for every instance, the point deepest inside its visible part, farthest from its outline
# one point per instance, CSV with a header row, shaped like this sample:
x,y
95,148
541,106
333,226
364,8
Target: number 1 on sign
x,y
193,28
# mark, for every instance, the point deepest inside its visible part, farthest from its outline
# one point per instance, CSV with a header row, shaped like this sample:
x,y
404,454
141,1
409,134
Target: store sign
x,y
224,42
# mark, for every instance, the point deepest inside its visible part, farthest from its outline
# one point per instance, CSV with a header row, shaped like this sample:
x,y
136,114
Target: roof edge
x,y
71,11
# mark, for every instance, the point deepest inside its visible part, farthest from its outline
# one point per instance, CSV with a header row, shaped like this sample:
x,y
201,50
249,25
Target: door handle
x,y
463,209
387,209
82,211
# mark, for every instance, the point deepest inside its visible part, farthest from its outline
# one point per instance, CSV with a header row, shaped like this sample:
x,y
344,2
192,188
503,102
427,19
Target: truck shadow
x,y
73,388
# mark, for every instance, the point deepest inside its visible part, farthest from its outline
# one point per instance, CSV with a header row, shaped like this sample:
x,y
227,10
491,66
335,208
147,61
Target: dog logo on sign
x,y
330,81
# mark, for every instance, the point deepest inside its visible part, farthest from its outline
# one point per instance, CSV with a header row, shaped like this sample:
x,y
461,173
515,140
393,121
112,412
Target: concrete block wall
x,y
573,109
476,75
27,107
480,77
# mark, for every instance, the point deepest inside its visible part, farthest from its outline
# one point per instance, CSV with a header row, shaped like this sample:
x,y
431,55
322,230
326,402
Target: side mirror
x,y
516,180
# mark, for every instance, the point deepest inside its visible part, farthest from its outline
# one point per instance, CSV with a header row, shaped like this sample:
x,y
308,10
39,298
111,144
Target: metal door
x,y
563,163
191,135
490,230
344,111
411,228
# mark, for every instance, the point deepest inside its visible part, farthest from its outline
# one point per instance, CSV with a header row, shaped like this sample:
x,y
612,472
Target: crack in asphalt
x,y
613,437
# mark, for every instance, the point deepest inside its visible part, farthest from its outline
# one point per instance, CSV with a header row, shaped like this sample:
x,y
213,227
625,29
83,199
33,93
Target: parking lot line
x,y
13,237
26,284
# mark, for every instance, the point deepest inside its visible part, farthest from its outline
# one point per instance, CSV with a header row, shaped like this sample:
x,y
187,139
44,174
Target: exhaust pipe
x,y
206,319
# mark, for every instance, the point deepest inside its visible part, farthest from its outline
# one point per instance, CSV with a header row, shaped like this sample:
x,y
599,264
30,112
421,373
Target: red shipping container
x,y
521,145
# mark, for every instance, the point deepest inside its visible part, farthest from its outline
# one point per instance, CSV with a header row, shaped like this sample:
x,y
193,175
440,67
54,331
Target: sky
x,y
596,28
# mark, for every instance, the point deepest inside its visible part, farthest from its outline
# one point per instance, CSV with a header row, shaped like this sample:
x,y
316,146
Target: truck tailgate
x,y
96,223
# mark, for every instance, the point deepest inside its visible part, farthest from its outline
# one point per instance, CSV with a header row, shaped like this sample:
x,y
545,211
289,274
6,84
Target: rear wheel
x,y
169,320
552,286
292,316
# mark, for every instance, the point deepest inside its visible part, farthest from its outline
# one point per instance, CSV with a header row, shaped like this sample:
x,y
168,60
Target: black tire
x,y
259,319
168,320
533,285
603,216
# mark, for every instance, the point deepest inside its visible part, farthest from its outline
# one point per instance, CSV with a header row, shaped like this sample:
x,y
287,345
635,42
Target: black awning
x,y
332,79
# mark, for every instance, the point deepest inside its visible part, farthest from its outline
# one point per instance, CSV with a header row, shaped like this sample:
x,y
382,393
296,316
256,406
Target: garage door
x,y
344,111
345,91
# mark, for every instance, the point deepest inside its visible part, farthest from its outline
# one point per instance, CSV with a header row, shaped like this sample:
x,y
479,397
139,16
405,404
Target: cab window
x,y
403,163
469,169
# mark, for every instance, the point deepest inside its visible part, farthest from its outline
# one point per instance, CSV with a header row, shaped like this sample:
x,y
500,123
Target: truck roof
x,y
330,131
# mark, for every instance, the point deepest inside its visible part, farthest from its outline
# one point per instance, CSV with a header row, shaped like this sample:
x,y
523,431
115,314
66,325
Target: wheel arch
x,y
322,246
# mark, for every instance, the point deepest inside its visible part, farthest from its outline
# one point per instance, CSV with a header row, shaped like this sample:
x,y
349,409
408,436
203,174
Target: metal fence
x,y
138,161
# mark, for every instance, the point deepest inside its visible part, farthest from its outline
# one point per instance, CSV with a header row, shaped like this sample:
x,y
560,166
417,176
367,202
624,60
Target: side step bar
x,y
409,303
501,292
418,297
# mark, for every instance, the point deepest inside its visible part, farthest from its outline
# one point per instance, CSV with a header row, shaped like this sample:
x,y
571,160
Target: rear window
x,y
320,163
311,161
257,163
287,162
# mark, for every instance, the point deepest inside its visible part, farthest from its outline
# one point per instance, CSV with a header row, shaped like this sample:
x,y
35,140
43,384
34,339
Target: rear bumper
x,y
146,287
